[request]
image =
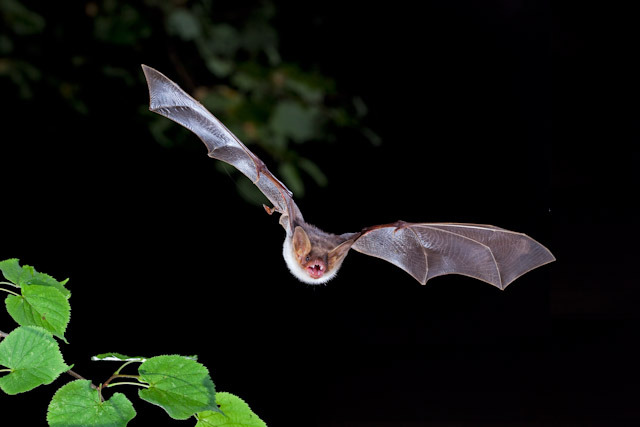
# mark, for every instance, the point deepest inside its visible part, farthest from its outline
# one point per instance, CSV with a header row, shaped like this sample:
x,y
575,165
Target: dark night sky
x,y
508,113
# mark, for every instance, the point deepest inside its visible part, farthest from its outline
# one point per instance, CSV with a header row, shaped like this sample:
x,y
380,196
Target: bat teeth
x,y
316,270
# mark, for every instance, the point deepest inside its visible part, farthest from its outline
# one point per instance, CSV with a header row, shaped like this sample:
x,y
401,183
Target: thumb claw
x,y
268,209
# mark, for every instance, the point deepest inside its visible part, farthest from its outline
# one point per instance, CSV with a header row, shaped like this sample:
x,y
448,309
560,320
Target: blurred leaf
x,y
219,66
245,81
291,178
223,40
227,54
292,120
182,23
373,137
22,20
6,46
361,107
22,75
119,23
222,99
307,92
314,171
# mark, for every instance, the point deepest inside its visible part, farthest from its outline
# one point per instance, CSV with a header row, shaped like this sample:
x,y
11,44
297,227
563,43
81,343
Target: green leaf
x,y
33,357
28,275
179,385
235,413
41,306
117,357
11,270
77,404
43,279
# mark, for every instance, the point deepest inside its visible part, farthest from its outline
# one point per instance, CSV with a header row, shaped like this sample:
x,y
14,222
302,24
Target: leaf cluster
x,y
30,356
227,55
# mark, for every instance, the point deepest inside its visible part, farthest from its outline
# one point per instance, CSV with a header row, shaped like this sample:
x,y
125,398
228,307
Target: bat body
x,y
424,250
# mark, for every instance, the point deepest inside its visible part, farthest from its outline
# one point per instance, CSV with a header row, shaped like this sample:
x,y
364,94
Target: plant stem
x,y
10,284
114,376
80,377
7,290
125,364
127,383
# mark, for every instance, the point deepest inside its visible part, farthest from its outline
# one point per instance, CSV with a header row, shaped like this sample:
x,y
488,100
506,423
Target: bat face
x,y
313,257
310,269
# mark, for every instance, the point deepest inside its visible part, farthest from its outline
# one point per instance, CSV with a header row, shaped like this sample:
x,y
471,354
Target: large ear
x,y
337,255
301,242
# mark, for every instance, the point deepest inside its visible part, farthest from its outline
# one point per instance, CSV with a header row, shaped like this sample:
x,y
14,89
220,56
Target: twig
x,y
80,377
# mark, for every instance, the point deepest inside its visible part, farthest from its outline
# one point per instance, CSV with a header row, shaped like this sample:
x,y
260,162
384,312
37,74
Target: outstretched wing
x,y
425,250
168,99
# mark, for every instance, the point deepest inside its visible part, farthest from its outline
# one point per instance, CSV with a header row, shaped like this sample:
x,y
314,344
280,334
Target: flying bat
x,y
424,250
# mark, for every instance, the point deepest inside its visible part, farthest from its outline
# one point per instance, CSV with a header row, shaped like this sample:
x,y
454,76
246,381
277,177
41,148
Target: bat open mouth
x,y
315,269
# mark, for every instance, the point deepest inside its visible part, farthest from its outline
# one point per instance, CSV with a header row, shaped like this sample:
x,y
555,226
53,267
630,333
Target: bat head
x,y
312,263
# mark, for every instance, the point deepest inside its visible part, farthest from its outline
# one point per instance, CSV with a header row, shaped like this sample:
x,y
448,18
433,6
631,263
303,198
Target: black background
x,y
508,113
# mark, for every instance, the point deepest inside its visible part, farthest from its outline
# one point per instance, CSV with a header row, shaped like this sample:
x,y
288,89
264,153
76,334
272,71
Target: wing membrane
x,y
426,250
169,100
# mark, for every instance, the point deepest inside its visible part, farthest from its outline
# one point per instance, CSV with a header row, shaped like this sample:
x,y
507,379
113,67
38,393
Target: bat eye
x,y
307,258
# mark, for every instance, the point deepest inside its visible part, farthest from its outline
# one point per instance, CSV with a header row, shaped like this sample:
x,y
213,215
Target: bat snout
x,y
316,269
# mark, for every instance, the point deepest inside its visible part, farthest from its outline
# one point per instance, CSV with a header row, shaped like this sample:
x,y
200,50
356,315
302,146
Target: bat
x,y
424,250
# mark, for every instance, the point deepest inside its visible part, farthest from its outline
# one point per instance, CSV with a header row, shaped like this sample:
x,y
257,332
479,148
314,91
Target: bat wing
x,y
425,250
168,99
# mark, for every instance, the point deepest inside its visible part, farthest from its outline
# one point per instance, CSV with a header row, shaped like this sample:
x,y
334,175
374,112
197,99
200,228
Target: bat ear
x,y
337,254
301,242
